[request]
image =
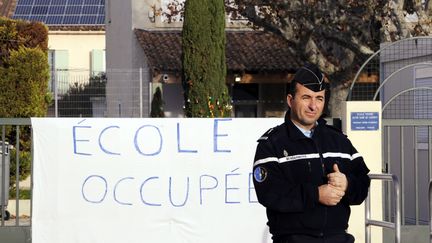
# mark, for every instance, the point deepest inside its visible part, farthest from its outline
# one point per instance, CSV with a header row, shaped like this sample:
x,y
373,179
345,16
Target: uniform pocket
x,y
300,171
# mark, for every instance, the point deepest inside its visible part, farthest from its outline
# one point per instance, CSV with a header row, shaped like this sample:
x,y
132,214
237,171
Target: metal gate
x,y
407,152
404,69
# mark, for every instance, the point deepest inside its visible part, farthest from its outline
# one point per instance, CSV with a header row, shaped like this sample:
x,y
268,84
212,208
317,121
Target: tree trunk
x,y
338,94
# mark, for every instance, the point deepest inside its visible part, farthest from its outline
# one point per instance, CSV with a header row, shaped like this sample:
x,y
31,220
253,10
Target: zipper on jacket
x,y
325,181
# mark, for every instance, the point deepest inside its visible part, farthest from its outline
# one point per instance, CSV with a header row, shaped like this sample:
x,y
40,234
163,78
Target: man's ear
x,y
289,100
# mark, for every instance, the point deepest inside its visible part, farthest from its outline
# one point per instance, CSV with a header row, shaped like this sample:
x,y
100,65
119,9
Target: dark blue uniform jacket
x,y
288,169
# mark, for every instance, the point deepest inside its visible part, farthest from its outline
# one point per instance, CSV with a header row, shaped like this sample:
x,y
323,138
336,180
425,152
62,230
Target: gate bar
x,y
397,224
430,211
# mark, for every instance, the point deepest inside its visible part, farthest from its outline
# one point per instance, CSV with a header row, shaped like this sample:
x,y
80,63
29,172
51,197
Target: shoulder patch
x,y
266,135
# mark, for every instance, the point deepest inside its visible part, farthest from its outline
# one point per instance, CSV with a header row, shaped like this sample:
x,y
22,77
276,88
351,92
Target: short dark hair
x,y
292,88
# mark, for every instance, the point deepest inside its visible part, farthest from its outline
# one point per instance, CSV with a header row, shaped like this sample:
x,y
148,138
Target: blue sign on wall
x,y
364,121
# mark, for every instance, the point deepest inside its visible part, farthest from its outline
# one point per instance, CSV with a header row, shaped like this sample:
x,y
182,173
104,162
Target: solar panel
x,y
23,10
42,2
88,19
75,2
94,2
52,19
101,10
100,20
73,10
58,2
25,2
39,10
54,10
62,12
71,19
93,10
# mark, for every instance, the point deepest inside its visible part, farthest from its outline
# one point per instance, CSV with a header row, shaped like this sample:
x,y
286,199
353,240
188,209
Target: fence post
x,y
397,224
430,211
141,92
55,94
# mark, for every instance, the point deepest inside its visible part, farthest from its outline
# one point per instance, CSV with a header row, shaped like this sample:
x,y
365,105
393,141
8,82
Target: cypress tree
x,y
204,67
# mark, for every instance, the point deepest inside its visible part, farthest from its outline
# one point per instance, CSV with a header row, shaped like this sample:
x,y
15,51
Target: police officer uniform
x,y
290,166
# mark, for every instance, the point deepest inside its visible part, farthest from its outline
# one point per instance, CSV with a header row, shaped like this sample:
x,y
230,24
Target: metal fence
x,y
115,93
16,133
396,225
407,150
430,211
392,58
74,92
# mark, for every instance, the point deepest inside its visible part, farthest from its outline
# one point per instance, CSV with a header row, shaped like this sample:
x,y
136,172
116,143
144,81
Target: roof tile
x,y
246,51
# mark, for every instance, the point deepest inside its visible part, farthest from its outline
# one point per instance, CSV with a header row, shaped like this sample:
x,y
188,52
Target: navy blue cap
x,y
311,77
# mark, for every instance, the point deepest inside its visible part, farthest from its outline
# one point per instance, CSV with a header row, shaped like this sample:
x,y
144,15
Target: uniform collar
x,y
295,133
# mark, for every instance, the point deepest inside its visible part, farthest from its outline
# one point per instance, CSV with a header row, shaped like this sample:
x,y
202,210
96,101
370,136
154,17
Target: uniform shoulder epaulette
x,y
266,135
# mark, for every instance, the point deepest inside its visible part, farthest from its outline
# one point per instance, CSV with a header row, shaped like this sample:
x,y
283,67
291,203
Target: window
x,y
59,69
97,62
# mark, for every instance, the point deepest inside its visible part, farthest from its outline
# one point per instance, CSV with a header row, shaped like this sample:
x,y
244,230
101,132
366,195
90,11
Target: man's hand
x,y
329,195
338,179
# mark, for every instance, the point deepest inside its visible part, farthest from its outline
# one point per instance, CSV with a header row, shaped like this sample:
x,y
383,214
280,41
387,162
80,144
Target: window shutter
x,y
97,62
61,64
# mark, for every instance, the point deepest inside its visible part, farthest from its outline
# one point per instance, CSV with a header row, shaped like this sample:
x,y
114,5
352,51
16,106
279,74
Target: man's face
x,y
306,106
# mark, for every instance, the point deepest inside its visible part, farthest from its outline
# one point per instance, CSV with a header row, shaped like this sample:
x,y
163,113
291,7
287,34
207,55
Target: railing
x,y
12,125
370,222
408,149
430,211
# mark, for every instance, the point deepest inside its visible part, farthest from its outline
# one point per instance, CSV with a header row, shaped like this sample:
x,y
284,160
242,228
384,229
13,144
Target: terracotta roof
x,y
76,27
246,51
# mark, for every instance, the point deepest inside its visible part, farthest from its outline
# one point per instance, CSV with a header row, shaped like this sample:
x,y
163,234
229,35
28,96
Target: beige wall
x,y
79,44
369,145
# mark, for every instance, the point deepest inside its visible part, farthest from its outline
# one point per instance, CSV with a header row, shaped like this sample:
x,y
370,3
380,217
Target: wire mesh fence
x,y
117,93
393,68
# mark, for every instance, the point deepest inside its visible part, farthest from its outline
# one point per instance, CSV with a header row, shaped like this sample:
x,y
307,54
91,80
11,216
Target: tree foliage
x,y
24,84
338,35
24,75
24,70
204,66
15,34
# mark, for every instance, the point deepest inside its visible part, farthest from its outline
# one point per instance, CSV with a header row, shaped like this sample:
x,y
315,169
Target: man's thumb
x,y
336,168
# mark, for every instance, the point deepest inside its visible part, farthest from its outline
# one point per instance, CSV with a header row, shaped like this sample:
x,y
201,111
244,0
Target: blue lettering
x,y
75,140
160,141
100,141
178,143
216,135
206,188
170,194
102,196
251,189
230,188
141,192
115,191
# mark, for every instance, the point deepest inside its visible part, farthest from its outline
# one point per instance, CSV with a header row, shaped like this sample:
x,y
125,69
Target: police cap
x,y
311,77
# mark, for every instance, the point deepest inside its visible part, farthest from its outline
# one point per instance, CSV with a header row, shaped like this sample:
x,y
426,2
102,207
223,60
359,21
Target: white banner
x,y
146,180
